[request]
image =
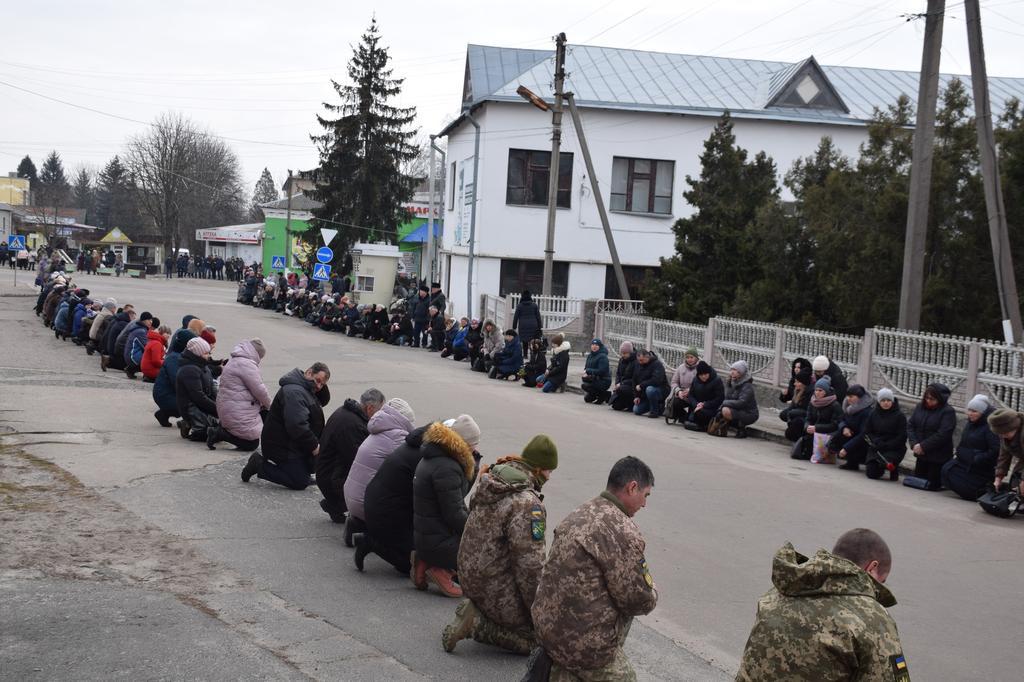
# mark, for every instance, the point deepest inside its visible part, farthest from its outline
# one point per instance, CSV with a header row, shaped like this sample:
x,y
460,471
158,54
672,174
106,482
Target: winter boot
x,y
104,362
418,574
443,579
362,551
212,436
162,418
741,432
252,467
460,628
184,429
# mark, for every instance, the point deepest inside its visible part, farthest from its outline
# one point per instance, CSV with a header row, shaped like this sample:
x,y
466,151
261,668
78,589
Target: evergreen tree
x,y
115,202
1010,137
83,194
54,190
715,257
360,181
27,169
264,192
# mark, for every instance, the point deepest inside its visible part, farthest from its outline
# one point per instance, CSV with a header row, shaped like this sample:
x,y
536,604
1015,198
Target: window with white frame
x,y
364,283
642,185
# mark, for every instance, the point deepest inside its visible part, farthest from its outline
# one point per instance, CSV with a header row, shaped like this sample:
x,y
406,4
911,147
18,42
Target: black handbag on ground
x,y
800,449
1004,502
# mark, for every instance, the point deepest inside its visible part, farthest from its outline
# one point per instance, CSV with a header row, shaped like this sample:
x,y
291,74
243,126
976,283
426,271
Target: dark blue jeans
x,y
651,400
291,473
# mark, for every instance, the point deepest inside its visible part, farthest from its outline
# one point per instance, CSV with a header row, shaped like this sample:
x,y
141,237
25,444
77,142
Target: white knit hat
x,y
979,403
403,408
198,346
466,427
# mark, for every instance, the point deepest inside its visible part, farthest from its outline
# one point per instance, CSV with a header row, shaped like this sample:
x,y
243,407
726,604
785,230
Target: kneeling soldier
x,y
502,551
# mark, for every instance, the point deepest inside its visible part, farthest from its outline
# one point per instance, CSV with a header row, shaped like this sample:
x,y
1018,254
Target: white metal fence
x,y
904,361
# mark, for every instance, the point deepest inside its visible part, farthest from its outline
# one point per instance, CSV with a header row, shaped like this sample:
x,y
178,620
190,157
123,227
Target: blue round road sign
x,y
324,254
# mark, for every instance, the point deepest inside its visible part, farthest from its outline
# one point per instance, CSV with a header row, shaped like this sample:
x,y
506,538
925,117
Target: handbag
x,y
718,427
1004,502
799,449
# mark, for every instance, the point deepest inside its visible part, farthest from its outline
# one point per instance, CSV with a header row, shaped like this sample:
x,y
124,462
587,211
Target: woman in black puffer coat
x,y
798,396
823,416
194,392
443,478
973,468
707,392
847,443
527,320
930,434
886,436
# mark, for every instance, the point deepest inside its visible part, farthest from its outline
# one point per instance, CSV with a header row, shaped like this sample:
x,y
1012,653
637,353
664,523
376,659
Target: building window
x,y
529,173
642,185
517,275
364,283
636,276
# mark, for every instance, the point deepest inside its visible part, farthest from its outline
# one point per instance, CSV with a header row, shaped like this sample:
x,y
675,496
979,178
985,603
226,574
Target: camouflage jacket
x,y
825,621
502,550
594,582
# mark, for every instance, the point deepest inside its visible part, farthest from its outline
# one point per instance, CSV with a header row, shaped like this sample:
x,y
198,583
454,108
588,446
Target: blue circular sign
x,y
324,254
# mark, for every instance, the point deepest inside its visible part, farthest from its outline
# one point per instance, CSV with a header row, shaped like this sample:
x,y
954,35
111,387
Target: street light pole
x,y
288,228
556,148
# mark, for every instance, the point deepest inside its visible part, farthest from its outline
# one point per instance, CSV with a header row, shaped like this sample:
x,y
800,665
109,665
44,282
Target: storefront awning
x,y
419,235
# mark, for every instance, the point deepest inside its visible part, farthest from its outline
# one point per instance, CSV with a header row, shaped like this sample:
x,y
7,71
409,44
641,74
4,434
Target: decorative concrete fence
x,y
904,361
559,313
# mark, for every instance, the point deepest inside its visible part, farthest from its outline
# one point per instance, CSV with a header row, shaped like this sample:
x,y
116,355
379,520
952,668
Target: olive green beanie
x,y
541,453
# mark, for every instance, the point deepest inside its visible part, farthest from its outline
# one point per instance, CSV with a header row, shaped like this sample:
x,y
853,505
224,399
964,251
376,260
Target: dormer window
x,y
804,86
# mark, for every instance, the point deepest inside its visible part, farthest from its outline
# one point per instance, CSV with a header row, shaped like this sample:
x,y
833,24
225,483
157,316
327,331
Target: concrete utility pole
x,y
288,228
425,267
1009,303
556,148
911,290
598,197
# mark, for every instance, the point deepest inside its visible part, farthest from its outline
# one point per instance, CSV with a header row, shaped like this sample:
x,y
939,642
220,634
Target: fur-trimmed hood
x,y
561,348
449,444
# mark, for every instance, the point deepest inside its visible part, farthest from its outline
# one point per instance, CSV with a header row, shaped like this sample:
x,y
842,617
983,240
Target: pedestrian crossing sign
x,y
321,272
277,262
16,242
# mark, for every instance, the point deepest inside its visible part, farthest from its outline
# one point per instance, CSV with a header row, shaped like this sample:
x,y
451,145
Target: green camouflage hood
x,y
505,478
825,574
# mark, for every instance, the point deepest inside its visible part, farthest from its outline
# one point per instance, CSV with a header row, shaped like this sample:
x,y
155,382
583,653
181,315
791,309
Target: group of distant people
x,y
208,267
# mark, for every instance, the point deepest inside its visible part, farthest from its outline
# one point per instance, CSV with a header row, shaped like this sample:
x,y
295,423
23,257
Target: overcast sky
x,y
257,71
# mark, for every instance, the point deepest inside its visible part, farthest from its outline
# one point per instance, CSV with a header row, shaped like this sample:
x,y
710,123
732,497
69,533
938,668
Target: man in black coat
x,y
622,389
291,433
527,320
437,298
109,357
344,433
650,384
420,316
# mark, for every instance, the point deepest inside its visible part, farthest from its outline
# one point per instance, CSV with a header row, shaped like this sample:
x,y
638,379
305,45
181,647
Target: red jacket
x,y
153,356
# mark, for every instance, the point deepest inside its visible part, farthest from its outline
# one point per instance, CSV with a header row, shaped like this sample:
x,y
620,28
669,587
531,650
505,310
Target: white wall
x,y
486,280
519,231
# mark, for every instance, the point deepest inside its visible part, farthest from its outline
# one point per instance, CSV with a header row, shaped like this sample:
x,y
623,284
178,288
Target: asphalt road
x,y
719,510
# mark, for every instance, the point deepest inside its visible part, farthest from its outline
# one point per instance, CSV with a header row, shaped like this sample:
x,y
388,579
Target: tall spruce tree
x,y
115,203
1010,136
715,258
363,150
265,191
83,194
54,190
27,169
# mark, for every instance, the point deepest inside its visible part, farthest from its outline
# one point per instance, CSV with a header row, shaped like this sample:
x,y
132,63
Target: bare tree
x,y
185,177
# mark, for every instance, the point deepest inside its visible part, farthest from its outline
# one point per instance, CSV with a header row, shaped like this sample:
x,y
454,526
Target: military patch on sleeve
x,y
899,668
646,573
537,523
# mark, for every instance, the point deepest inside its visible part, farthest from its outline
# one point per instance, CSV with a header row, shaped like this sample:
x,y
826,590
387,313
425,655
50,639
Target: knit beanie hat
x,y
261,350
820,364
703,368
978,403
691,351
626,347
110,305
885,394
466,427
403,408
740,366
824,384
541,453
208,336
1003,421
197,346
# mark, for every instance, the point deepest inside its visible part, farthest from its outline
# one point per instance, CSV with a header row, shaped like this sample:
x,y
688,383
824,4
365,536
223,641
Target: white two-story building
x,y
646,117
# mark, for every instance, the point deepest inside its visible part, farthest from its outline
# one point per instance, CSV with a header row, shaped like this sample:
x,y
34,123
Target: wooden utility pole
x,y
598,197
1009,302
556,148
911,290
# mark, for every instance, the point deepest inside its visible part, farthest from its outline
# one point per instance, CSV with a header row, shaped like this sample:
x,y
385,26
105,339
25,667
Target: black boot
x,y
184,428
252,467
161,417
212,436
362,550
741,432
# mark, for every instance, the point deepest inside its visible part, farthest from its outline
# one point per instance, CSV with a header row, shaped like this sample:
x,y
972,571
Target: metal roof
x,y
636,80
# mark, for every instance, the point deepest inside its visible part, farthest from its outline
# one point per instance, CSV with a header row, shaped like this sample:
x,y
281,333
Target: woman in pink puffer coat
x,y
241,397
388,429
